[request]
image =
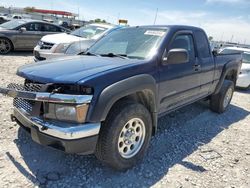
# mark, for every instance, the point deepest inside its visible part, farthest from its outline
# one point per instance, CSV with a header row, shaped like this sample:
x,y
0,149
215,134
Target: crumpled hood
x,y
71,70
61,38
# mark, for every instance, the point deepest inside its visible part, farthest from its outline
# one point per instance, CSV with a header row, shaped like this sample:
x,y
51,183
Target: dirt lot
x,y
193,148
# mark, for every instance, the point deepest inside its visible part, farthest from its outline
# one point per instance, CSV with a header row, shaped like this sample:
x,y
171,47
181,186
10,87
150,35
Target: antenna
x,y
80,44
156,14
222,36
118,18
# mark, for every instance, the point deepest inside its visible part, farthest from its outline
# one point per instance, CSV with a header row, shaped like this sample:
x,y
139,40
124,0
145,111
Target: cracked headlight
x,y
70,113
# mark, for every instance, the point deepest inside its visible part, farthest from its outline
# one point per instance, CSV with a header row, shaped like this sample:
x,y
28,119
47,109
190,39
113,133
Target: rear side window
x,y
49,28
184,41
33,27
202,44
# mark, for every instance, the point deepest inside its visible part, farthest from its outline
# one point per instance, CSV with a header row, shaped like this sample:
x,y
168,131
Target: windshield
x,y
89,31
136,42
12,24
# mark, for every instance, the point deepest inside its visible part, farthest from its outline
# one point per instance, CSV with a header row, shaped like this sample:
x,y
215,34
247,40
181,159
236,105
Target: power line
x,y
156,14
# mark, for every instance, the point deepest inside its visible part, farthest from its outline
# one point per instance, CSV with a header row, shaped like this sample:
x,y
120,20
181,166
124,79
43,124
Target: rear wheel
x,y
5,46
220,102
125,136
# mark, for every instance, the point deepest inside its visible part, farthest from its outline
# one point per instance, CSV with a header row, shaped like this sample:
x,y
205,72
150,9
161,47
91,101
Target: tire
x,y
220,102
115,135
5,46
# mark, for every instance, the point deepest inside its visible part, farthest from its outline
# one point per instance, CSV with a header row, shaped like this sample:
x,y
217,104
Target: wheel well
x,y
11,43
146,98
232,75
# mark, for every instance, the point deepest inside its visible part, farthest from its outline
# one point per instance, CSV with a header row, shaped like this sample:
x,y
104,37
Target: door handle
x,y
197,67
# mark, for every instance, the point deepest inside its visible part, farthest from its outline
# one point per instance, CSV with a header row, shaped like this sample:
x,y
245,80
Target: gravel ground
x,y
193,148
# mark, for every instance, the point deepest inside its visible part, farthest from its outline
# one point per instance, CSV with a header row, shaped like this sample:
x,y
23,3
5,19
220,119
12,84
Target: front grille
x,y
24,104
26,87
45,45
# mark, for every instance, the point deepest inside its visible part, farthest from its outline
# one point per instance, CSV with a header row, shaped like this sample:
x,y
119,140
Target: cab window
x,y
184,41
202,44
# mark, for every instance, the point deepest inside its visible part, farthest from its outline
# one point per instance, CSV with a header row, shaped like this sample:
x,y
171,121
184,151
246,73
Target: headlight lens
x,y
61,48
40,43
79,47
75,114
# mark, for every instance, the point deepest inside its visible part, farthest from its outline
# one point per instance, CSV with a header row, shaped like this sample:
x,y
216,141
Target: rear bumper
x,y
81,141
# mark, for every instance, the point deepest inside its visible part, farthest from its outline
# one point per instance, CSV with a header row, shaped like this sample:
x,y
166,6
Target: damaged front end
x,y
54,115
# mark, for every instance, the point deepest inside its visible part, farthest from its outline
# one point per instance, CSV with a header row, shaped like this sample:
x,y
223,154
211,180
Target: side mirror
x,y
176,56
22,29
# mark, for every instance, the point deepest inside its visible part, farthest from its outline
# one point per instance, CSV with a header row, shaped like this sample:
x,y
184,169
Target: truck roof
x,y
105,25
183,27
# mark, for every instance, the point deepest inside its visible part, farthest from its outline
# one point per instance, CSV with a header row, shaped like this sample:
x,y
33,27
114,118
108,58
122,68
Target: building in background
x,y
55,16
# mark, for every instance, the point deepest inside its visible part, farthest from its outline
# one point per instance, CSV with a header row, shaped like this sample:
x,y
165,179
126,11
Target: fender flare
x,y
118,90
230,66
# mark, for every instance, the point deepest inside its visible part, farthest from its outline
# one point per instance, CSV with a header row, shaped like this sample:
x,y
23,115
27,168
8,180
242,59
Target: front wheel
x,y
5,46
125,136
220,102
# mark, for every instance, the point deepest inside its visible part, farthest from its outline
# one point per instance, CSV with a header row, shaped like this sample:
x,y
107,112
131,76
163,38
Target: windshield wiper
x,y
123,56
89,54
75,35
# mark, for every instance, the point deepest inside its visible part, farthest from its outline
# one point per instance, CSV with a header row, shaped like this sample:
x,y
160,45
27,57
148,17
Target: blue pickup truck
x,y
107,101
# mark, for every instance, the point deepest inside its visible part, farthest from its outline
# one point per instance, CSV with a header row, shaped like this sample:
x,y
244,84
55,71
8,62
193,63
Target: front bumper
x,y
68,137
81,140
41,55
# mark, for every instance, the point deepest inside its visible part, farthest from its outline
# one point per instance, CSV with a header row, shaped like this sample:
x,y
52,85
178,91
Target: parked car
x,y
244,76
8,17
3,18
59,45
16,16
24,34
108,100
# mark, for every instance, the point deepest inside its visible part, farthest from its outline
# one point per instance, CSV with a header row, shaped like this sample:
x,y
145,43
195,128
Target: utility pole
x,y
156,14
232,38
51,8
222,36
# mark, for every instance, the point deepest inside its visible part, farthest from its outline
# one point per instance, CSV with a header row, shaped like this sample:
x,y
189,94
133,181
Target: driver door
x,y
179,83
29,38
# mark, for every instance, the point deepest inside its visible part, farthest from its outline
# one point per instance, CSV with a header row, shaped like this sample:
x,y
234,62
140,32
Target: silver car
x,y
24,34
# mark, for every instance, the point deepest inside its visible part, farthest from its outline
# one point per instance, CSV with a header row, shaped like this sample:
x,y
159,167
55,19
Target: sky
x,y
227,20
